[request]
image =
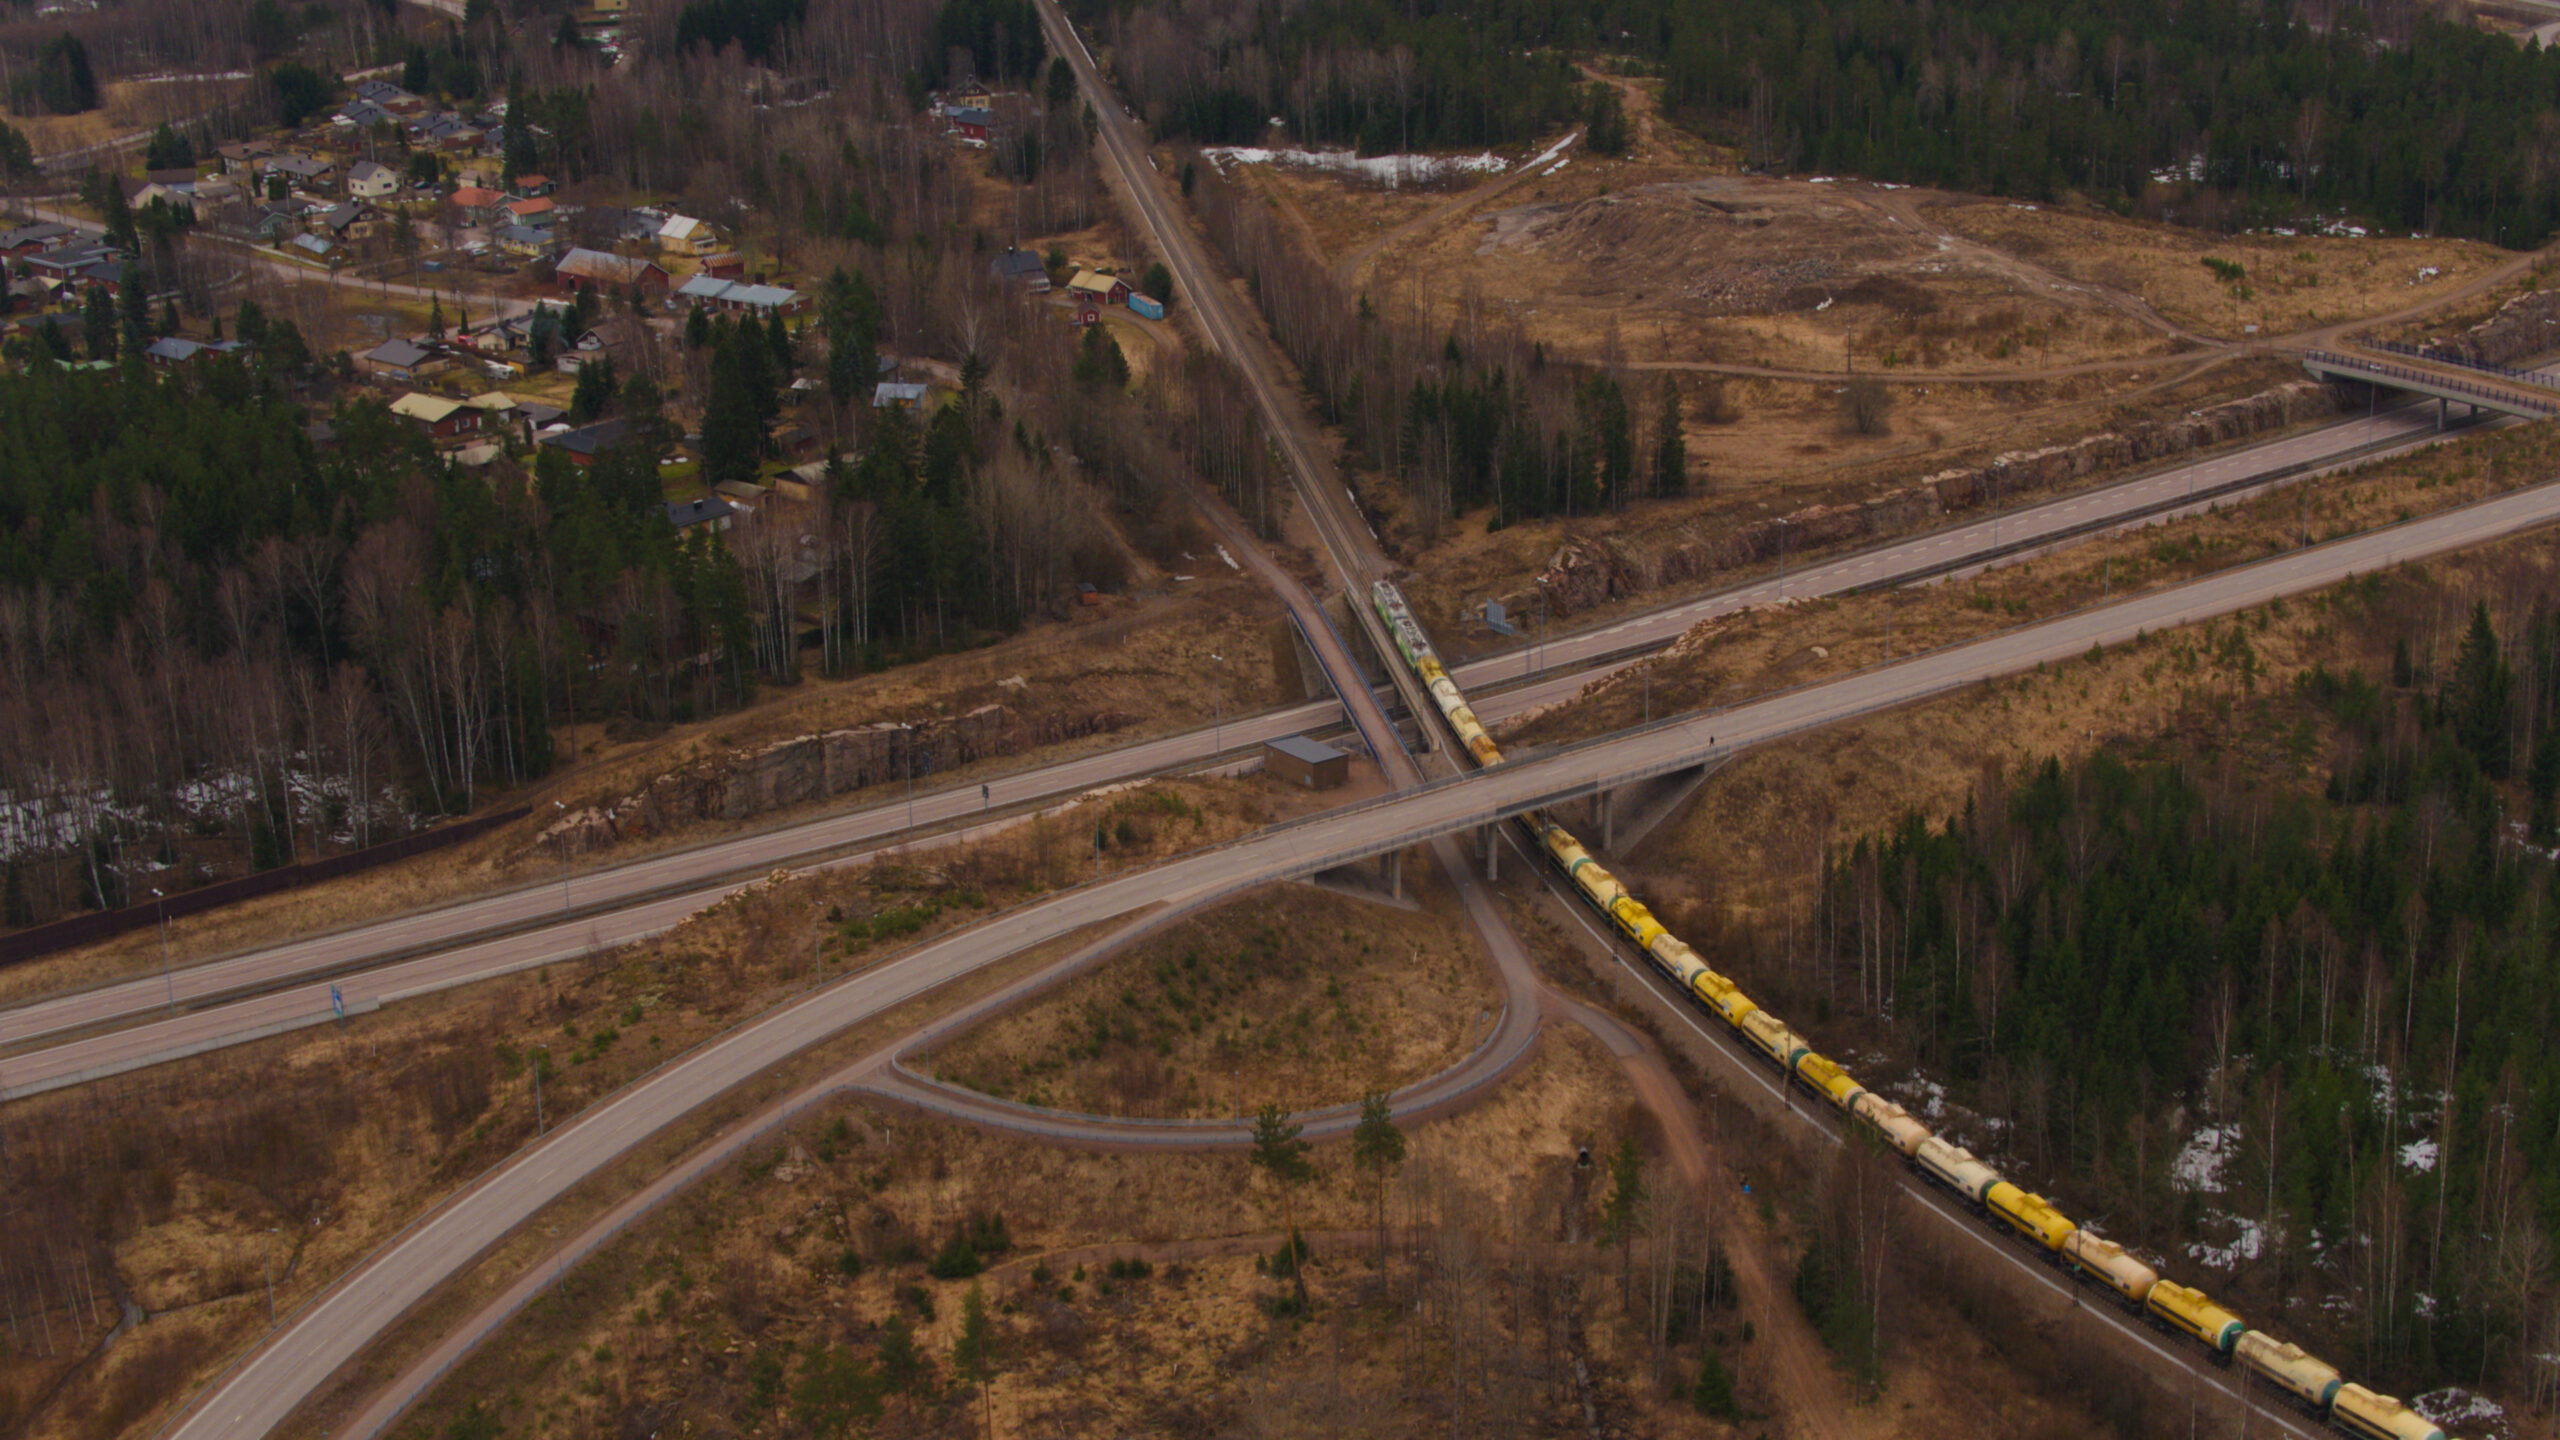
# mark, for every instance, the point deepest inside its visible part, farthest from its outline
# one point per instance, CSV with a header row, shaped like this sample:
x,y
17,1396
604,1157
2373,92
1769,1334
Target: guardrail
x,y
2420,352
2430,383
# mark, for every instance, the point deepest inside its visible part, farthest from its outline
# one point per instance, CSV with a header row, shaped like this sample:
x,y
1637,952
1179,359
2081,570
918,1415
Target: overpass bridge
x,y
2449,381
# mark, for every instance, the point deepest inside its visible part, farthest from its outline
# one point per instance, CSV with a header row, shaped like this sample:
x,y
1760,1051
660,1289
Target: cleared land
x,y
1299,996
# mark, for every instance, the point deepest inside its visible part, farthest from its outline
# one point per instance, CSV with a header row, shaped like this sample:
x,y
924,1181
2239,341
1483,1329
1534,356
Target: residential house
x,y
306,172
621,339
738,297
368,180
241,157
1020,267
445,130
711,510
586,442
524,241
362,115
896,394
969,95
171,351
339,221
478,205
400,361
109,273
139,193
608,272
314,247
729,265
970,122
441,418
266,224
528,187
1099,288
538,211
31,239
65,262
180,178
389,96
684,235
502,411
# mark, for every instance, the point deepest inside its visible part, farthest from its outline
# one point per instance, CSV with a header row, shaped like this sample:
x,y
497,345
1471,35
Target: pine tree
x,y
697,328
779,338
1670,447
731,429
973,1350
1713,1394
2476,697
1279,1153
1377,1146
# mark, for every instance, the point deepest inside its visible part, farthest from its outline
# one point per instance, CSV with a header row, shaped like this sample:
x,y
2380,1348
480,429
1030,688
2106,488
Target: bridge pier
x,y
1395,873
1491,842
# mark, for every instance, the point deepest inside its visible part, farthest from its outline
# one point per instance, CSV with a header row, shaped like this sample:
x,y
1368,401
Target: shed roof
x,y
1299,747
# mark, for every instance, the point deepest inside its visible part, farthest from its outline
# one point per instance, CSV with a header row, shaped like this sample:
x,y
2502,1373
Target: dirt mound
x,y
1731,246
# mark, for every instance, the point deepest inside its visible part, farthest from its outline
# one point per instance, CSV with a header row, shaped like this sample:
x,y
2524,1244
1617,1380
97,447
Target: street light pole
x,y
168,976
544,1052
907,756
562,835
1217,718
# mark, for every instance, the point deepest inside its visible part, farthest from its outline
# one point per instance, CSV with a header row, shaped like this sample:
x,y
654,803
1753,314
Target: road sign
x,y
337,1003
1495,619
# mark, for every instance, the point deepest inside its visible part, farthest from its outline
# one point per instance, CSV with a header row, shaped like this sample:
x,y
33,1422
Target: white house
x,y
369,180
684,235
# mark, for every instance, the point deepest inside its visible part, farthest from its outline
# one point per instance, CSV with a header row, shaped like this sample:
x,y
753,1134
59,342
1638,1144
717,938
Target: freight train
x,y
2310,1383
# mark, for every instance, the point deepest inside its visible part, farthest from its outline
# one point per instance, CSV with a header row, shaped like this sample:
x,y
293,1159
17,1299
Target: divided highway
x,y
334,1329
613,906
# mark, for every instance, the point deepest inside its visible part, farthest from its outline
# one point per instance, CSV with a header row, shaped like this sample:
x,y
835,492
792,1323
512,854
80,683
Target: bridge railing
x,y
2417,352
2432,383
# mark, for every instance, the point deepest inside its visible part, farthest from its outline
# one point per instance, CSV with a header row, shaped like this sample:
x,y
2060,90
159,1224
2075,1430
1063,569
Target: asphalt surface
x,y
490,936
331,1331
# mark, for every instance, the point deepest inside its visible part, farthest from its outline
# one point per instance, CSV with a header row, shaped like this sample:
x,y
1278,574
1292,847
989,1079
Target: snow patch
x,y
2418,1156
1388,170
2454,1406
2198,1168
1554,150
2248,1242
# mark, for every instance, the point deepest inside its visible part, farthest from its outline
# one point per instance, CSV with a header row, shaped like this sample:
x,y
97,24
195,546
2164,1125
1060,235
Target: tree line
x,y
2221,112
2347,992
1463,418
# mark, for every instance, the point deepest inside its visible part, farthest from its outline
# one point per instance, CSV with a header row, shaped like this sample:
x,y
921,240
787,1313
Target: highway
x,y
261,1391
499,933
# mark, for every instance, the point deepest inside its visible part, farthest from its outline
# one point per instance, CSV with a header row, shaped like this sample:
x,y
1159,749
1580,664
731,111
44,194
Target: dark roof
x,y
971,115
401,353
589,439
30,234
685,514
1016,265
1299,747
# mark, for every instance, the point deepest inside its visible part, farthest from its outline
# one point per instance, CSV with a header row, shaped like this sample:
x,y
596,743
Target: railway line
x,y
2001,1205
339,1324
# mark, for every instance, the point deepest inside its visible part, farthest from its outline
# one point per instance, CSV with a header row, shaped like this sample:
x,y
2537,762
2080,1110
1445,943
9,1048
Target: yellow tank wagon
x,y
1827,1079
2290,1368
1676,958
1601,887
2189,1312
1723,997
2359,1411
1770,1036
2107,1262
1636,921
1891,1123
2030,1215
1955,1167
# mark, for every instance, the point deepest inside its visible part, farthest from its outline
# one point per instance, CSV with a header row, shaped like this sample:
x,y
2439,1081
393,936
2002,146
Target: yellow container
x,y
1636,920
2189,1311
1891,1123
1723,997
1825,1075
2030,1215
2106,1262
1770,1036
2359,1411
2306,1376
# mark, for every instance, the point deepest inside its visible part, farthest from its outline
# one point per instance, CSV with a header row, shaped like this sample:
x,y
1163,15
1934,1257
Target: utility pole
x,y
907,756
543,1051
267,1263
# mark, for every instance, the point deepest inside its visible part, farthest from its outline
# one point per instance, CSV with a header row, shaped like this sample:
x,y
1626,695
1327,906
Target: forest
x,y
1463,419
2215,112
226,645
2339,995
